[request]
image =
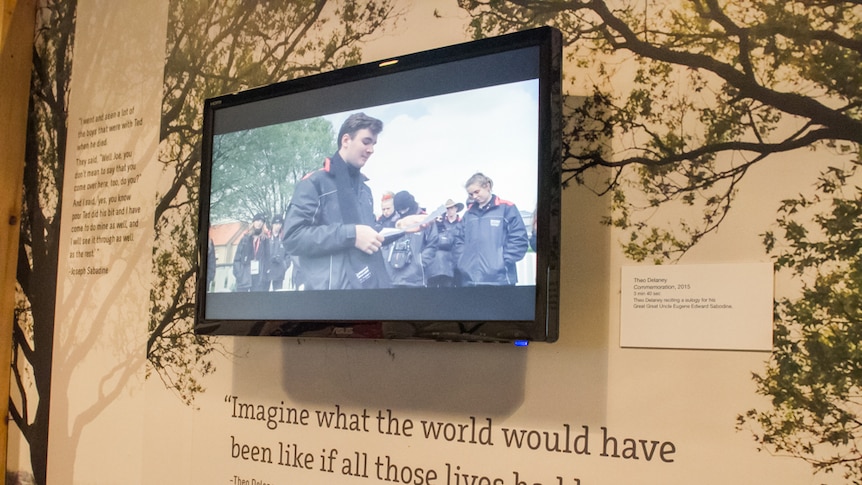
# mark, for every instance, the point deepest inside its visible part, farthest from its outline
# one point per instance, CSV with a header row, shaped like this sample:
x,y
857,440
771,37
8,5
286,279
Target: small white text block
x,y
697,306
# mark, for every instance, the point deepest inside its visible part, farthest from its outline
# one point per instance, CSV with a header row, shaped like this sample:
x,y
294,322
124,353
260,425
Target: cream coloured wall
x,y
684,397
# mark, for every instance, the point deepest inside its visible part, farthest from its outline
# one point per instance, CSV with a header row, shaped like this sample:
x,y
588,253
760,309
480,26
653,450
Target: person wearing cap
x,y
441,272
279,260
251,261
493,239
408,257
329,227
388,216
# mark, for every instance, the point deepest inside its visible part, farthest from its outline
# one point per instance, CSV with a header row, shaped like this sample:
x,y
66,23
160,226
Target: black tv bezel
x,y
543,327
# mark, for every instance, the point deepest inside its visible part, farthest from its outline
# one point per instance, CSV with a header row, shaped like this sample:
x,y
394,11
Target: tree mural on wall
x,y
814,378
33,330
715,89
216,47
712,87
213,47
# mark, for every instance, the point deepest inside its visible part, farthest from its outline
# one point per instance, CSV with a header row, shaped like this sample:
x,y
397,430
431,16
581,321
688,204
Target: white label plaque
x,y
699,306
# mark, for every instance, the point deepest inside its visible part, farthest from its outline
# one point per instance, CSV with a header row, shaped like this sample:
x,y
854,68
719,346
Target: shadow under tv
x,y
490,106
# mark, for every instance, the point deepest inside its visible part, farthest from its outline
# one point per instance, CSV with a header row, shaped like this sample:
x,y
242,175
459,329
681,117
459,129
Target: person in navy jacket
x,y
492,238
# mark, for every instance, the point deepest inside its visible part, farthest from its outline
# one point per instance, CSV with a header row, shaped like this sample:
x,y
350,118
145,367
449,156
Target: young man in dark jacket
x,y
329,226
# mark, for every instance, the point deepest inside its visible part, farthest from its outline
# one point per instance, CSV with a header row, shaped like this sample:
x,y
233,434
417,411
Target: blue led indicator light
x,y
522,343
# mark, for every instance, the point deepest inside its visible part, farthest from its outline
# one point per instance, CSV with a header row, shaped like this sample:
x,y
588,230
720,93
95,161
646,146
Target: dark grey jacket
x,y
314,231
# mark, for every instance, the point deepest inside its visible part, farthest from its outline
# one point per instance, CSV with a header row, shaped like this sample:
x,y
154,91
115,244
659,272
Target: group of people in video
x,y
333,240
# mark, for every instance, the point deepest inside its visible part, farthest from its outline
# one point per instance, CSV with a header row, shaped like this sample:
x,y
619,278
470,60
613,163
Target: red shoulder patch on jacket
x,y
500,201
325,169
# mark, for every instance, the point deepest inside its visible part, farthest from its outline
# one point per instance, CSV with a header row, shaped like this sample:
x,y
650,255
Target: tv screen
x,y
416,197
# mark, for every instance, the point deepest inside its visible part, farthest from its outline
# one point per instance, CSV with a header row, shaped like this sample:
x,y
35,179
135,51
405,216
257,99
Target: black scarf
x,y
368,270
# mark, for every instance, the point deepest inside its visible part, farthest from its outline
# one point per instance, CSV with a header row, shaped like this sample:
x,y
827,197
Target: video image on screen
x,y
408,199
415,184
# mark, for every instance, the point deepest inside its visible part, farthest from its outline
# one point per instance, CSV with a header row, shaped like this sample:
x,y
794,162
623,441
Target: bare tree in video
x,y
255,171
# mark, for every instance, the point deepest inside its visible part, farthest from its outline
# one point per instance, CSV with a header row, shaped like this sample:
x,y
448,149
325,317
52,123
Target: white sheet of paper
x,y
697,306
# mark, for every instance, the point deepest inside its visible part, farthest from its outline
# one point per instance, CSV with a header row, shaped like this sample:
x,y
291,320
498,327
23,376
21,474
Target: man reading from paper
x,y
329,223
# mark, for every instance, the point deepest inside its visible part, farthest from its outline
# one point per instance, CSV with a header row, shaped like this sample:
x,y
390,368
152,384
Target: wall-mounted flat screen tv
x,y
416,197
